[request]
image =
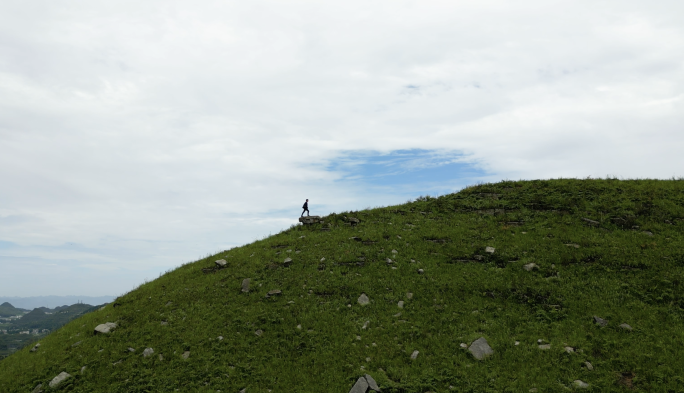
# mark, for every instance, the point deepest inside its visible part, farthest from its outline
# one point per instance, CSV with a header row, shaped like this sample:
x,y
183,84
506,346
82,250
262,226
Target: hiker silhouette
x,y
306,208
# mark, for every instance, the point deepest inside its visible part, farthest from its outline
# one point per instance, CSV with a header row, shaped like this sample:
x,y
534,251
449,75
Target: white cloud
x,y
152,133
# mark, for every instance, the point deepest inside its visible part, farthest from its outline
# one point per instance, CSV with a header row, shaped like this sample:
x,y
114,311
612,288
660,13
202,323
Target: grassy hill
x,y
600,248
8,310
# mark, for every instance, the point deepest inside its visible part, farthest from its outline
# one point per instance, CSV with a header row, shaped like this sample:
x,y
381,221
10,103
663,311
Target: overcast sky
x,y
139,135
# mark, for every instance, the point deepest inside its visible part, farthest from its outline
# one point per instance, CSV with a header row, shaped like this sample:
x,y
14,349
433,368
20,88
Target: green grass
x,y
618,272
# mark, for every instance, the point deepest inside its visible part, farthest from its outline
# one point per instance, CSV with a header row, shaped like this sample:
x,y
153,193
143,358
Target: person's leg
x,y
303,213
307,212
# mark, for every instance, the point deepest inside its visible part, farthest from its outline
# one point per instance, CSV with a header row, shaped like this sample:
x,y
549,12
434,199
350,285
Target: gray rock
x,y
421,271
361,386
59,379
573,245
530,266
589,366
243,390
400,304
147,352
395,252
76,344
371,383
245,285
35,348
186,354
545,346
169,303
287,261
274,292
569,349
480,348
259,332
308,220
626,326
365,325
580,384
161,357
83,370
533,390
409,296
600,321
220,338
164,323
220,263
105,328
414,355
363,299
38,389
490,250
131,349
648,233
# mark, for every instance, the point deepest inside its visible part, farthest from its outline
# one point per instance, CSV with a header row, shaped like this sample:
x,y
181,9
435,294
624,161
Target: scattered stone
x,y
589,366
105,328
274,292
363,299
287,261
395,252
626,326
569,349
59,379
323,259
35,347
464,345
533,390
365,325
245,285
361,386
186,354
220,338
480,348
389,261
371,383
580,384
573,245
600,321
409,296
220,263
545,346
259,332
299,327
38,389
397,315
530,266
400,304
164,323
540,341
421,271
83,370
76,344
414,355
490,250
169,303
358,338
161,357
647,233
131,349
147,352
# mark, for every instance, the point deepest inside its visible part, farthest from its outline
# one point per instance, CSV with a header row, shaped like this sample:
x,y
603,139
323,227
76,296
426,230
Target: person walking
x,y
306,208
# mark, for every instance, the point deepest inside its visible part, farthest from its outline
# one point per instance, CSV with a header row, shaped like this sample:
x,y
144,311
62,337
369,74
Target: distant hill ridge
x,y
8,310
517,286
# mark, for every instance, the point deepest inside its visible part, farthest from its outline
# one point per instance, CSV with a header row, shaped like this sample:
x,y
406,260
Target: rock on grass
x,y
59,379
480,348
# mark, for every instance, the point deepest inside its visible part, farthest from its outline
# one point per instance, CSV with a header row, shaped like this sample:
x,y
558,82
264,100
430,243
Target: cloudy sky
x,y
139,135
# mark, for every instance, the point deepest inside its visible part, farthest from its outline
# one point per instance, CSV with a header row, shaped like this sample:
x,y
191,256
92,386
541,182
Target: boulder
x,y
308,220
600,321
480,348
59,379
361,386
245,285
105,328
220,263
530,266
371,383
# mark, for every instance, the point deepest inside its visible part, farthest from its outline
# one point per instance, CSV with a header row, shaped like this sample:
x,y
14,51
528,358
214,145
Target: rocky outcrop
x,y
59,379
105,328
308,220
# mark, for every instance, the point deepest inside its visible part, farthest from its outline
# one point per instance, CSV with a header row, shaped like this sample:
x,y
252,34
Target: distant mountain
x,y
44,318
8,310
29,303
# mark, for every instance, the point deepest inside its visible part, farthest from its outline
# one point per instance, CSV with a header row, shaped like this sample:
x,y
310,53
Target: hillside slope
x,y
600,248
8,310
